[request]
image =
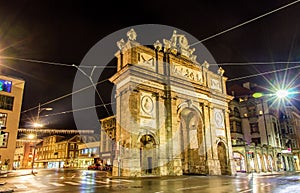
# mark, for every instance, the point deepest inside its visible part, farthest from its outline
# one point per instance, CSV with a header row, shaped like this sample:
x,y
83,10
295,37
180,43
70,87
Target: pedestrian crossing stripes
x,y
107,182
73,183
20,186
56,184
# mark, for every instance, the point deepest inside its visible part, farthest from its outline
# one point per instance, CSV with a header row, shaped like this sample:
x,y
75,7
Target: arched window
x,y
236,112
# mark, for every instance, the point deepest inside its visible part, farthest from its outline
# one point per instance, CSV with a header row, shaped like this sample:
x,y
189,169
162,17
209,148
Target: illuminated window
x,y
6,102
3,118
3,139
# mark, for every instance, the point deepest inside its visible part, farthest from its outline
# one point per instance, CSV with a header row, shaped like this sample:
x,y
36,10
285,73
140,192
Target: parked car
x,y
99,167
94,167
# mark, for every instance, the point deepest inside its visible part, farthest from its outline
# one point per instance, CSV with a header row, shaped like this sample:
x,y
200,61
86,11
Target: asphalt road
x,y
84,181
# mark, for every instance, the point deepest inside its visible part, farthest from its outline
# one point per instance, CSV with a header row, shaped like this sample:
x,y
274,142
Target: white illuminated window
x,y
3,119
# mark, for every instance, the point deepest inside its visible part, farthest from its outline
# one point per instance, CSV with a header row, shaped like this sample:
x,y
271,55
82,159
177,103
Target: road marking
x,y
189,188
175,180
73,183
248,190
87,182
102,182
56,184
127,180
36,184
116,181
20,186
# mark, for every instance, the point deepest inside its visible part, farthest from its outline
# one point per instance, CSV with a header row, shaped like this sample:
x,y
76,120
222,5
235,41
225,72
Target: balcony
x,y
237,142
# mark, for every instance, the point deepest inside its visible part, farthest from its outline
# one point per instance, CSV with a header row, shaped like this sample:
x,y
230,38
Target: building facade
x,y
290,129
23,157
108,140
89,151
11,96
58,152
171,112
256,132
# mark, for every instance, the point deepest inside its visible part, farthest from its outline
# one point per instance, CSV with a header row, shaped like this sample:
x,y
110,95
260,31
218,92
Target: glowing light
x,y
31,136
37,125
282,93
258,95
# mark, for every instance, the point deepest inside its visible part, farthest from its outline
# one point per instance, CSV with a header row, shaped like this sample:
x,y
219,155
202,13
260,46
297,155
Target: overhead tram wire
x,y
94,85
83,66
246,22
73,65
64,96
52,63
255,63
263,73
76,110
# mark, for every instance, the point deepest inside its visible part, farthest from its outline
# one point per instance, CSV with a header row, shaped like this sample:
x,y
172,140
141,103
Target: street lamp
x,y
36,125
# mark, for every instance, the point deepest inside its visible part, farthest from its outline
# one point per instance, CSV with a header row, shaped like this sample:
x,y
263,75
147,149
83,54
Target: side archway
x,y
148,154
222,156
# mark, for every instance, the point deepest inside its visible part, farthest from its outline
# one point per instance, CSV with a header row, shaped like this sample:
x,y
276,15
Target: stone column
x,y
231,165
175,159
213,164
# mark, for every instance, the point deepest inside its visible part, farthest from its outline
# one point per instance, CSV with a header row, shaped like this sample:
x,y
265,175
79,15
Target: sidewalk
x,y
266,173
8,174
13,173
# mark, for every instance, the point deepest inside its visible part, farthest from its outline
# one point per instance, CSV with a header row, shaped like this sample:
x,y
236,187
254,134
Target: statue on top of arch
x,y
179,43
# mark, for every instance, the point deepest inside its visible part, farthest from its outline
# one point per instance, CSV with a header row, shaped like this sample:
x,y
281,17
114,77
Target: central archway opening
x,y
191,137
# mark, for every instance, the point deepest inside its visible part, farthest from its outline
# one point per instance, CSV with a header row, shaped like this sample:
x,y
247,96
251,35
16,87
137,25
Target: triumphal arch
x,y
171,111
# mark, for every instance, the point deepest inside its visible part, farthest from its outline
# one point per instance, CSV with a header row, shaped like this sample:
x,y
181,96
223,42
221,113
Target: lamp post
x,y
36,125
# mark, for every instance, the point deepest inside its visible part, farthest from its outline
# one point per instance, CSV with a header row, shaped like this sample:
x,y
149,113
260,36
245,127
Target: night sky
x,y
63,32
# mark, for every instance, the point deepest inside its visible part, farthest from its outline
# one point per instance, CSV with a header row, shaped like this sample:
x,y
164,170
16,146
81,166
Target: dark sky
x,y
64,31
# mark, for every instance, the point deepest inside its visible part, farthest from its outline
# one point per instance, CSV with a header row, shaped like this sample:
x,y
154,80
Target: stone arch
x,y
223,157
240,161
146,131
265,161
271,164
259,160
148,153
191,138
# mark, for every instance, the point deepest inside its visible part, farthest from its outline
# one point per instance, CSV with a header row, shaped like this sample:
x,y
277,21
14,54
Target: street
x,y
83,181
